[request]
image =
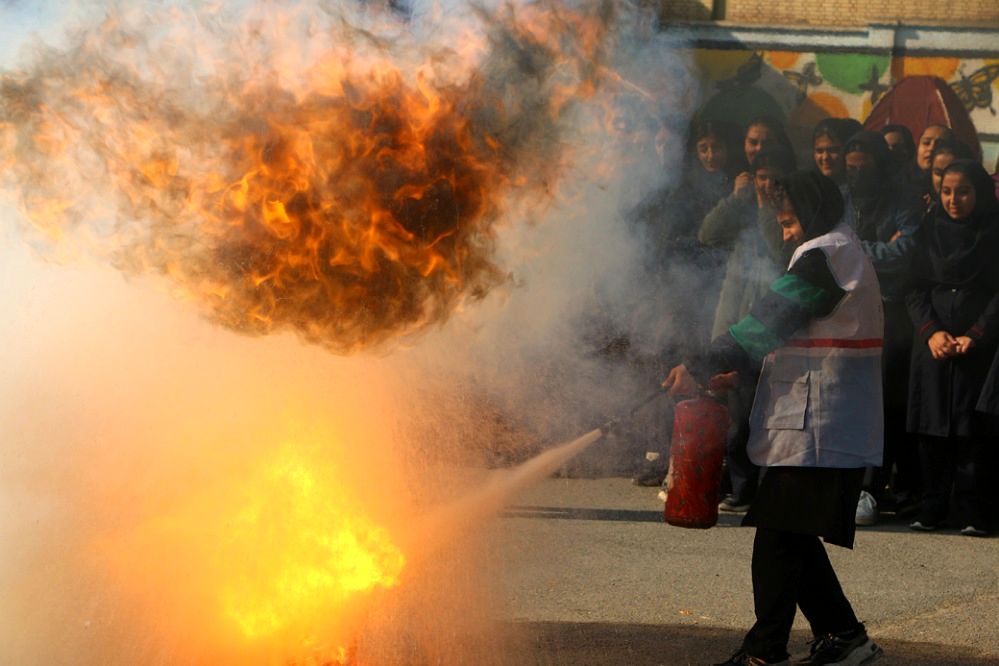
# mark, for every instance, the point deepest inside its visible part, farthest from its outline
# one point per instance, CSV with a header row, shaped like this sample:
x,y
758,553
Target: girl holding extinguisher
x,y
816,422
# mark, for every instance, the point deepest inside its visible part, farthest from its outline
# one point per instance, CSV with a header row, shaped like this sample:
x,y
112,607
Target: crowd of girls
x,y
926,213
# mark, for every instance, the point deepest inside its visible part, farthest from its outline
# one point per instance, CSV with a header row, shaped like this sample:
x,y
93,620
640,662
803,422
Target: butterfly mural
x,y
804,79
975,91
874,86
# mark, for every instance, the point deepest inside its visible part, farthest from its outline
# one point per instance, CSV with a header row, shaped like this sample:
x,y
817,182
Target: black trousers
x,y
958,464
900,447
792,571
742,473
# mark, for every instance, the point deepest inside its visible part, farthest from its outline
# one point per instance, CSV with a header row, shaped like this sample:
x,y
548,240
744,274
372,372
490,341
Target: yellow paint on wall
x,y
782,60
915,66
720,65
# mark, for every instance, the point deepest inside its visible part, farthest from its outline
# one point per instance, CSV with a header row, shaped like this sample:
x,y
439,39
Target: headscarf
x,y
840,129
962,251
816,201
776,156
873,144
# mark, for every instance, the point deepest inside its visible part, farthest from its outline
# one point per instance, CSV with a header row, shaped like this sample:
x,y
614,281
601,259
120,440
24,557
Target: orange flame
x,y
352,205
306,550
280,560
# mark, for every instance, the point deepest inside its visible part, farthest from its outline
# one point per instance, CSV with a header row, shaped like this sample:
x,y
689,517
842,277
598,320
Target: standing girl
x,y
955,310
829,147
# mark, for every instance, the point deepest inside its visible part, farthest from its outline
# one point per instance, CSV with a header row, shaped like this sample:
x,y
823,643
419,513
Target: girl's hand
x,y
723,382
964,344
942,345
743,187
679,382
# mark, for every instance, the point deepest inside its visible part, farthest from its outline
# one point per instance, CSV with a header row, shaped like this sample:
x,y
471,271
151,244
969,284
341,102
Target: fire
x,y
349,193
280,558
307,550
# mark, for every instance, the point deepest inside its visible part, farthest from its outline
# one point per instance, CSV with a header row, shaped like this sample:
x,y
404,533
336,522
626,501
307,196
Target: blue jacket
x,y
875,225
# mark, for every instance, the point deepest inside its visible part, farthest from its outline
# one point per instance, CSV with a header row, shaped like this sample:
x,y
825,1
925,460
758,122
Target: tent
x,y
920,101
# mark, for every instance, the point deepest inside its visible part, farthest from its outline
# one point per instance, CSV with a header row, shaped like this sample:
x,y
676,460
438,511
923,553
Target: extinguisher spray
x,y
700,430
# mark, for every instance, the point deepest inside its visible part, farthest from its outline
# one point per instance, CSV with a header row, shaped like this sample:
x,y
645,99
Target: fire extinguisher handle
x,y
615,423
658,393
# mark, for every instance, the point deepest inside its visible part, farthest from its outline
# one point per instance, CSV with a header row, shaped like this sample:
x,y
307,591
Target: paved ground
x,y
594,576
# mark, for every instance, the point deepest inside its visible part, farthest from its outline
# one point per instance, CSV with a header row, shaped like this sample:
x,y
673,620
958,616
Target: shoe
x,y
741,658
867,510
971,530
650,478
733,504
851,648
924,526
906,506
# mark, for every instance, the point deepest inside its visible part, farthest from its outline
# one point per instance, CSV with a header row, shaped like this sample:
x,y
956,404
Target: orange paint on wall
x,y
819,105
914,66
783,59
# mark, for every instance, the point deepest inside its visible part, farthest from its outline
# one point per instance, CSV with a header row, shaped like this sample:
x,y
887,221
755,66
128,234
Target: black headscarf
x,y
873,144
960,252
816,201
839,129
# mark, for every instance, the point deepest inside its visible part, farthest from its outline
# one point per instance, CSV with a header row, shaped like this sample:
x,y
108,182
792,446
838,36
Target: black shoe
x,y
649,478
851,648
906,504
741,658
924,525
733,504
972,531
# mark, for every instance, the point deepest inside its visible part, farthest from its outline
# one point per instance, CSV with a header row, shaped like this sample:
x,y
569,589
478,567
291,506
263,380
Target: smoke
x,y
460,206
311,169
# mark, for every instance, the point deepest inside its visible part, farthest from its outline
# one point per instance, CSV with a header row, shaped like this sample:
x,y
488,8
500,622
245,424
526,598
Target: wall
x,y
859,12
805,75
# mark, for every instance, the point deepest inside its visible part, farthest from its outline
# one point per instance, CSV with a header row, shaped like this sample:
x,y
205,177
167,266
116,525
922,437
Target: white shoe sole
x,y
868,653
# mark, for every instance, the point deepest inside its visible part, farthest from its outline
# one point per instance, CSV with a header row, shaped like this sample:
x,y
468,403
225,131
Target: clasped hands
x,y
944,345
679,383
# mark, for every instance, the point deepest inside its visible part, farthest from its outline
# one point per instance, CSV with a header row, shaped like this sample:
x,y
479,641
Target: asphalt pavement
x,y
593,576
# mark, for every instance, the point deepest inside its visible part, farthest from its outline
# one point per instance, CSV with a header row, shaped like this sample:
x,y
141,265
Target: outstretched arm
x,y
807,290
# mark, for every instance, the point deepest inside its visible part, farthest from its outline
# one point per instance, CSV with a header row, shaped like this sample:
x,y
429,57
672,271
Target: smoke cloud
x,y
439,194
304,170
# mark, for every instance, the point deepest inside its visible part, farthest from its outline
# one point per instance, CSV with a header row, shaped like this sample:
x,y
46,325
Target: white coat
x,y
819,398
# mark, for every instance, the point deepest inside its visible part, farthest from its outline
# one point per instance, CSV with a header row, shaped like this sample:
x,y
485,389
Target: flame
x,y
307,548
281,560
348,193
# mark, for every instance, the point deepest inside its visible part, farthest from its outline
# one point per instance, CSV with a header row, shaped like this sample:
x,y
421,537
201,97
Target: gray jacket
x,y
754,240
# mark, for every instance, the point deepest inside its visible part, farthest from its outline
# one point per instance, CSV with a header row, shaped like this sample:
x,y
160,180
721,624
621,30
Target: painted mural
x,y
802,88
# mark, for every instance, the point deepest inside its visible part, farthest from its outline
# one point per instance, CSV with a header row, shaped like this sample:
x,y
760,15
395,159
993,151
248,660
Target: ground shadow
x,y
604,644
887,523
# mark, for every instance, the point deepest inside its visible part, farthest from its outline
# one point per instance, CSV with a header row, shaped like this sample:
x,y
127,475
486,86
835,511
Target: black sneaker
x,y
851,648
741,658
733,504
924,525
649,478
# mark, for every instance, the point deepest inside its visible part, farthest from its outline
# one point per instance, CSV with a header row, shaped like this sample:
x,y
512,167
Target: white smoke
x,y
117,402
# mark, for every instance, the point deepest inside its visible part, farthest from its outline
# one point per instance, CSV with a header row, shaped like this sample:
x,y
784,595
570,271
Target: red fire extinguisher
x,y
700,428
